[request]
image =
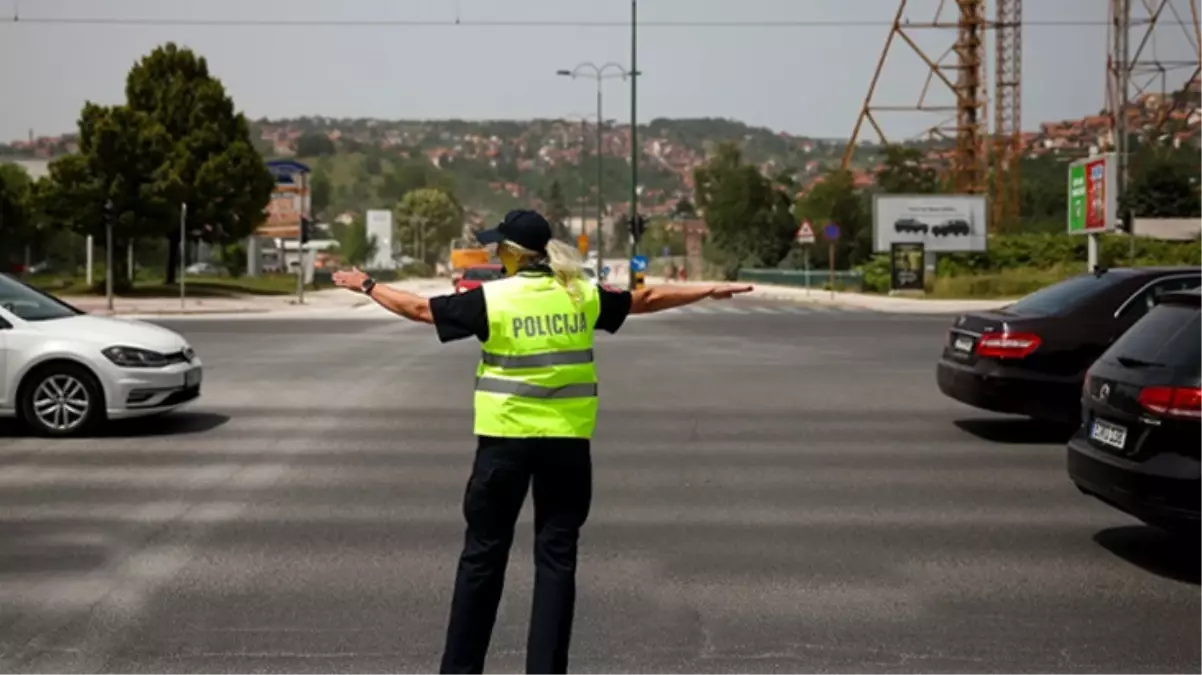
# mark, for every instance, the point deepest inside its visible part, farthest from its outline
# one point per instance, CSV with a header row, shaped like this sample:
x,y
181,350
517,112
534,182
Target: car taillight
x,y
1007,345
1180,402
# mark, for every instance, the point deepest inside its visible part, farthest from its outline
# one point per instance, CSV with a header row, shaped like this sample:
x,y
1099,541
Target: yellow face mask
x,y
510,260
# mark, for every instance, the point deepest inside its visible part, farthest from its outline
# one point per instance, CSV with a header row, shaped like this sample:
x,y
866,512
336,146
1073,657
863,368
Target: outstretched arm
x,y
659,298
408,305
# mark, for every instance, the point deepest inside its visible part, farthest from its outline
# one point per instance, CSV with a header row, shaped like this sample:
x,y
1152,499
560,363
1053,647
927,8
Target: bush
x,y
417,269
1011,283
1047,251
875,274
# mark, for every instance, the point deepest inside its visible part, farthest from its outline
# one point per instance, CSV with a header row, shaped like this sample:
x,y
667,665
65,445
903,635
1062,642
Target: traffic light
x,y
637,227
306,230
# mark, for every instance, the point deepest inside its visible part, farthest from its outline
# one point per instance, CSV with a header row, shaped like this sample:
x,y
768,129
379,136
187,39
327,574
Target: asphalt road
x,y
774,491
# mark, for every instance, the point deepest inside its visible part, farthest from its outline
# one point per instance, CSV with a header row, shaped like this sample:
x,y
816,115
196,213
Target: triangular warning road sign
x,y
805,233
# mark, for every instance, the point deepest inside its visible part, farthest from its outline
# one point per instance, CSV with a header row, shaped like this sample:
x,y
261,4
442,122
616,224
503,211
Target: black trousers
x,y
561,473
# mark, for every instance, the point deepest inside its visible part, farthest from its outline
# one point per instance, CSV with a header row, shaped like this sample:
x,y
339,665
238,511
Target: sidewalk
x,y
330,299
878,303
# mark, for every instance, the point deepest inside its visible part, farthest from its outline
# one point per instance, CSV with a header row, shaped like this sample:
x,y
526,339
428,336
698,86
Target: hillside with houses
x,y
492,165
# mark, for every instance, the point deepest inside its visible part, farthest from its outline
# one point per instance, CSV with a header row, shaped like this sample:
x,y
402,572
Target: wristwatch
x,y
368,284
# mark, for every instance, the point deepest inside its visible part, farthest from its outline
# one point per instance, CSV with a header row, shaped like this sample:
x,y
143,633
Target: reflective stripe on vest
x,y
536,377
537,360
497,386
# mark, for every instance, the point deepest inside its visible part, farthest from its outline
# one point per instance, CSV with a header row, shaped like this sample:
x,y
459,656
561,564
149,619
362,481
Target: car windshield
x,y
1064,295
31,304
481,274
1167,336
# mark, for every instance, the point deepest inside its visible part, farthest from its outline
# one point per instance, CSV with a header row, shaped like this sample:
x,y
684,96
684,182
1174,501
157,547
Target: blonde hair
x,y
564,260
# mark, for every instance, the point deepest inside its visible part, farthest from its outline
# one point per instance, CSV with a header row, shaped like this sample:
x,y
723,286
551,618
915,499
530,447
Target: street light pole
x,y
583,180
600,172
634,130
598,73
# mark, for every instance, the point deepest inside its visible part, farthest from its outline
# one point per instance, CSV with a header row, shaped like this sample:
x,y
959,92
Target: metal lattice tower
x,y
1007,115
961,70
1134,67
970,164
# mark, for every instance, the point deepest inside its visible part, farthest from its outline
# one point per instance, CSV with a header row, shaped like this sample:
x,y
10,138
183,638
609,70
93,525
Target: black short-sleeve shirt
x,y
464,315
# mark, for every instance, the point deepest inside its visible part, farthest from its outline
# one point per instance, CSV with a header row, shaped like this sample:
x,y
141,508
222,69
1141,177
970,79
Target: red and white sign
x,y
805,233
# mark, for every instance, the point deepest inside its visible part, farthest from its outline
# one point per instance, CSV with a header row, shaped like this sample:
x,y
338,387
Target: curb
x,y
178,312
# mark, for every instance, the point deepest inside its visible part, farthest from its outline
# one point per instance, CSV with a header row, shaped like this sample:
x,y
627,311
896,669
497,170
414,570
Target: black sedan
x,y
1030,357
1141,409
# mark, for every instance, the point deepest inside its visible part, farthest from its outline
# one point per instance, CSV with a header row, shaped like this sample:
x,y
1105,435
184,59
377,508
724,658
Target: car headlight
x,y
132,357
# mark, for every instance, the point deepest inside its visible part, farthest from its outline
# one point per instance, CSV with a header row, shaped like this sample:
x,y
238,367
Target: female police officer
x,y
535,410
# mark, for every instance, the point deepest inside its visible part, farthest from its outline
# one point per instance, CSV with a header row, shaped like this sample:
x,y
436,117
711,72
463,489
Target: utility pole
x,y
634,133
108,253
183,247
300,241
1122,58
600,168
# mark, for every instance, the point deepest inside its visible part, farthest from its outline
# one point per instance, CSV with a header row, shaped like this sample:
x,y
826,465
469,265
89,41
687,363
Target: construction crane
x,y
961,72
1008,146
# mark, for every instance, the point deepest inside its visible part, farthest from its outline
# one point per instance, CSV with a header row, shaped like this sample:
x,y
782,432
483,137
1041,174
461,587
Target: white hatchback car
x,y
63,371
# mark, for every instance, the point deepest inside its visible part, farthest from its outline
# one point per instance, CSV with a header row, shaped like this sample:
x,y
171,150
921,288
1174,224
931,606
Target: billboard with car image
x,y
941,223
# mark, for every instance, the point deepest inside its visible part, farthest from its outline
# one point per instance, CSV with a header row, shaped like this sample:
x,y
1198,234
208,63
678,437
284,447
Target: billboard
x,y
941,223
379,227
1092,195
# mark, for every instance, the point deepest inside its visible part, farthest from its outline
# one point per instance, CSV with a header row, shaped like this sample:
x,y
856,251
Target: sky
x,y
500,61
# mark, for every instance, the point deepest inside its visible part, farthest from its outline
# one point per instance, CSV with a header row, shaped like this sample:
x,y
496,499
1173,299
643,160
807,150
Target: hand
x,y
351,279
727,291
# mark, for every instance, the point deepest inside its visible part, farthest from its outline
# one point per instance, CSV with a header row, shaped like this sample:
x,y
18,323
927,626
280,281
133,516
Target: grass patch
x,y
1011,283
196,287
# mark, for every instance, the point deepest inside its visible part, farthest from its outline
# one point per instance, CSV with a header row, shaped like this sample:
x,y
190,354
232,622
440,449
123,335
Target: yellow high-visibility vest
x,y
536,377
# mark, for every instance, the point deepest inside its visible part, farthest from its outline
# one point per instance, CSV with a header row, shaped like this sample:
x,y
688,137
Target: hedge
x,y
1016,264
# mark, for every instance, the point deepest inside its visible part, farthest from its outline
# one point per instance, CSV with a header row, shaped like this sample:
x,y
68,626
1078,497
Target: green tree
x,y
373,164
314,145
121,160
684,209
904,171
320,193
1164,184
354,243
428,219
659,237
413,175
835,199
17,225
556,210
1043,194
747,214
213,166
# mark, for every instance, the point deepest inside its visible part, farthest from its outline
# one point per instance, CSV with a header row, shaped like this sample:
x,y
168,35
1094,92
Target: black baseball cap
x,y
527,229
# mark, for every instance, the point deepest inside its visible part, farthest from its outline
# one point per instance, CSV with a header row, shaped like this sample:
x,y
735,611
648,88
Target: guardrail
x,y
844,280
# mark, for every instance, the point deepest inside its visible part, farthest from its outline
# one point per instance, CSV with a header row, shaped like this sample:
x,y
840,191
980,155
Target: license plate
x,y
192,377
962,344
1108,434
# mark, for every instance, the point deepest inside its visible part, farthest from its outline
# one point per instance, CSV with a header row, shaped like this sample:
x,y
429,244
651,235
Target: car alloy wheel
x,y
62,401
